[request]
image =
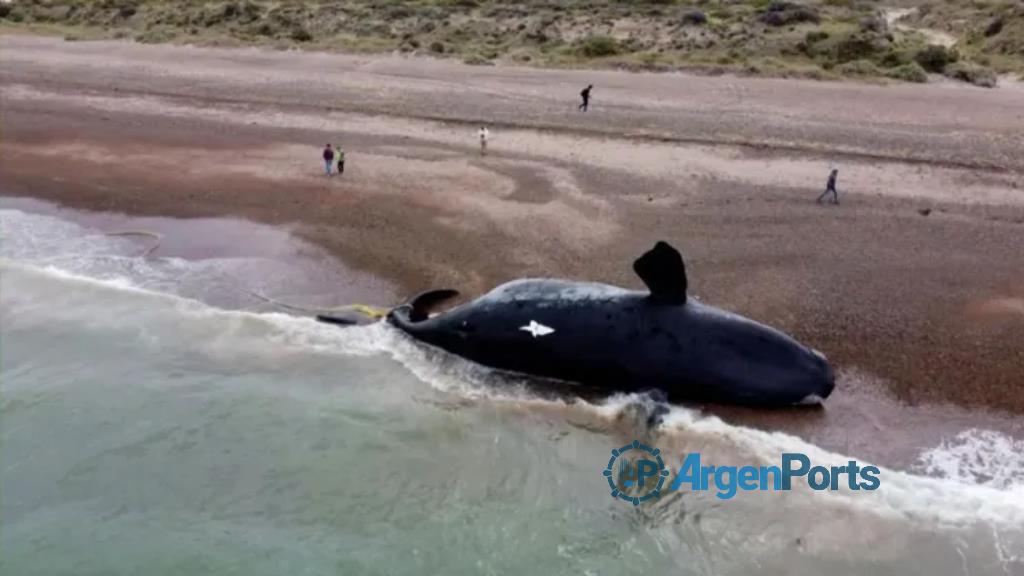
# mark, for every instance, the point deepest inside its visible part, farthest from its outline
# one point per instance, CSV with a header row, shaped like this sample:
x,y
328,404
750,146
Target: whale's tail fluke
x,y
662,270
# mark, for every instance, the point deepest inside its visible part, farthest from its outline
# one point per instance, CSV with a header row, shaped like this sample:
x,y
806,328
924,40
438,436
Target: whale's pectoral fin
x,y
662,270
422,303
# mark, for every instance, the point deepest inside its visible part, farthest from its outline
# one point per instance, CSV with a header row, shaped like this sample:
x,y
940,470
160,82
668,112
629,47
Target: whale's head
x,y
754,361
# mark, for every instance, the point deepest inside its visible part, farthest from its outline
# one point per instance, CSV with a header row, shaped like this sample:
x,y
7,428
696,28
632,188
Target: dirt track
x,y
725,168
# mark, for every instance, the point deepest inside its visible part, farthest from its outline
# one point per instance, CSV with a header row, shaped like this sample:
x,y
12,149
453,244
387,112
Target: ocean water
x,y
158,420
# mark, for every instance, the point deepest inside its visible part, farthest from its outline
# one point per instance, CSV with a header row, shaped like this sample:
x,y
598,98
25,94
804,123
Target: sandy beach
x,y
913,286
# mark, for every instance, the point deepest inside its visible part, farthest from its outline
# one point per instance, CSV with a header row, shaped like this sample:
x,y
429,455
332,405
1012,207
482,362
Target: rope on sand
x,y
154,235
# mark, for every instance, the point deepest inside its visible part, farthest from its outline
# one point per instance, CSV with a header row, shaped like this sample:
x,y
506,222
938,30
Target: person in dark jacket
x,y
328,159
585,95
830,186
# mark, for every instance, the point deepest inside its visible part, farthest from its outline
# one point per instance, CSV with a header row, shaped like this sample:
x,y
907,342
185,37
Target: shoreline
x,y
318,278
913,281
851,422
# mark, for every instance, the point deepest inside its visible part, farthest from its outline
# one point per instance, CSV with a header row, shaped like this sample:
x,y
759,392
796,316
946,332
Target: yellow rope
x,y
364,309
371,311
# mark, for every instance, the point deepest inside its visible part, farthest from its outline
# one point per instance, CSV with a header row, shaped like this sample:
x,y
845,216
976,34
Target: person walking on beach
x,y
830,186
328,159
585,95
484,133
341,160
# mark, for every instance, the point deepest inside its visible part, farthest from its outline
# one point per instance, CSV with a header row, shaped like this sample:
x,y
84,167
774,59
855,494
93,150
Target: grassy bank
x,y
989,33
813,38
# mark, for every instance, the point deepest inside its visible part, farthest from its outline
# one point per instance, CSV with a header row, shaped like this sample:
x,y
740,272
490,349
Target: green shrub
x,y
300,34
873,23
973,73
126,10
893,58
477,60
994,27
935,58
781,13
154,36
398,12
912,72
856,47
437,48
266,29
599,46
695,18
721,13
858,68
815,36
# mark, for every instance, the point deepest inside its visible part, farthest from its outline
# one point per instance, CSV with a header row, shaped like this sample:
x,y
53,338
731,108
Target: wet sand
x,y
317,281
914,286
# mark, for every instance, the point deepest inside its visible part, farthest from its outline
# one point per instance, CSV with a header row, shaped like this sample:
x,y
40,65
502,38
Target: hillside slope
x,y
813,38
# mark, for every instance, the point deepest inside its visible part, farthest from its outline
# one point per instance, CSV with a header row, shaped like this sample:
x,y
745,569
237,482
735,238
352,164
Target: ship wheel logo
x,y
636,473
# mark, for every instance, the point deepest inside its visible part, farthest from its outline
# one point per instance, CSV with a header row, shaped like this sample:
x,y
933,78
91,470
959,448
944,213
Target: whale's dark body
x,y
618,340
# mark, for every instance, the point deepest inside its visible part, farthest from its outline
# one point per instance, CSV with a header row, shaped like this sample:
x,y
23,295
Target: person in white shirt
x,y
484,133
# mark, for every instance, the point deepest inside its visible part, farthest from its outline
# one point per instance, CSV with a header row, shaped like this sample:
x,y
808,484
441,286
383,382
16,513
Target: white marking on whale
x,y
537,329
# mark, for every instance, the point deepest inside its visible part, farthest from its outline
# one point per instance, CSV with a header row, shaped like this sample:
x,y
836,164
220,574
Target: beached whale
x,y
617,340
